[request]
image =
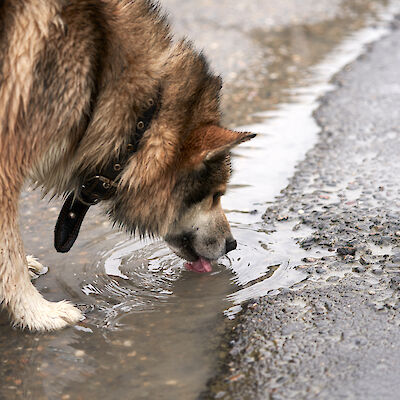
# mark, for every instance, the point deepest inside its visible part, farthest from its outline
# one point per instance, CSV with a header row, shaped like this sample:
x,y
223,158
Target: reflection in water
x,y
152,328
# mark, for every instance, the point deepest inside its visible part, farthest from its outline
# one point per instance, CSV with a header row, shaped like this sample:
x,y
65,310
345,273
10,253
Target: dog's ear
x,y
223,150
211,142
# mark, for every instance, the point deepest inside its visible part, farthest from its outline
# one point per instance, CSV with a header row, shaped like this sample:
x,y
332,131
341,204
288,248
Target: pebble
x,y
79,353
377,271
364,261
395,282
333,279
360,341
346,251
235,378
309,259
308,242
282,218
302,266
377,307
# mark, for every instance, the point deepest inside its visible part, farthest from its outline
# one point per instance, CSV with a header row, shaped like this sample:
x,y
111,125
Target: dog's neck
x,y
101,185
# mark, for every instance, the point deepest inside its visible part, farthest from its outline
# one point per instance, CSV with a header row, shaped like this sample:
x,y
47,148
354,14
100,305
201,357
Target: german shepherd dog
x,y
98,103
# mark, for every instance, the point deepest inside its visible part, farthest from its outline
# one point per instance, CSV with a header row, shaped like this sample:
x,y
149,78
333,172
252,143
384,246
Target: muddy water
x,y
152,329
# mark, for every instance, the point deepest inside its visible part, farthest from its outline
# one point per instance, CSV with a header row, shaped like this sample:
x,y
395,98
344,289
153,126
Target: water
x,y
284,136
152,329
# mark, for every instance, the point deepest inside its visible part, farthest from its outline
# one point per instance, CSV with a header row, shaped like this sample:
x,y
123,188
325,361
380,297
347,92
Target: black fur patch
x,y
195,186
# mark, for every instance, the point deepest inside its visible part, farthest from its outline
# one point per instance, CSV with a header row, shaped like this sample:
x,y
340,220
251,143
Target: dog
x,y
100,105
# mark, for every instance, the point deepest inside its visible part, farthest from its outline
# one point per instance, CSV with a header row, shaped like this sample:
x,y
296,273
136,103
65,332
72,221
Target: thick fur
x,y
74,77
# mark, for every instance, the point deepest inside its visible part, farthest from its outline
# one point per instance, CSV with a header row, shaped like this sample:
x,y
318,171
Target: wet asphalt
x,y
261,47
223,29
336,335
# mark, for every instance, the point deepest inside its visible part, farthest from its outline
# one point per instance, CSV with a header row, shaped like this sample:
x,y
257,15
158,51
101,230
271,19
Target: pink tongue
x,y
201,265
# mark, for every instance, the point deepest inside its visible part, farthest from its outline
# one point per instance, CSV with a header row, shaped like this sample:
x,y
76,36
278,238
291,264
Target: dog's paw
x,y
48,316
35,268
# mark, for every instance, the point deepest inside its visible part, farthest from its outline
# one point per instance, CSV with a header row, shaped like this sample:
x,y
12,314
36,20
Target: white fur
x,y
27,307
209,228
35,268
39,314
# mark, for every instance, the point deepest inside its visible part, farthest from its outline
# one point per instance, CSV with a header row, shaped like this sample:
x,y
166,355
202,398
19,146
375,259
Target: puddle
x,y
264,165
152,329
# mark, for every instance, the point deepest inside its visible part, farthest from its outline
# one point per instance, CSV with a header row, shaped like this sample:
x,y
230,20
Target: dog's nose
x,y
230,245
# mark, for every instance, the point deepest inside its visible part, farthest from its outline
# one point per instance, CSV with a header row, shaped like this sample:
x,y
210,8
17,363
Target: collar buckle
x,y
96,189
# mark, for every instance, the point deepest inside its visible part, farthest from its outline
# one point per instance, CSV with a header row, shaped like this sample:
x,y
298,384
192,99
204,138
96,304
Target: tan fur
x,y
74,78
206,142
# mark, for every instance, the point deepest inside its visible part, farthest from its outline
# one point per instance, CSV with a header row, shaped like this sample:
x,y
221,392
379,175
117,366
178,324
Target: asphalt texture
x,y
336,335
224,28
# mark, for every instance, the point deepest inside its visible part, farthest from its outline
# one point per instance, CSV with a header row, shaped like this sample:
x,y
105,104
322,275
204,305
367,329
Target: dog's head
x,y
183,204
200,229
172,186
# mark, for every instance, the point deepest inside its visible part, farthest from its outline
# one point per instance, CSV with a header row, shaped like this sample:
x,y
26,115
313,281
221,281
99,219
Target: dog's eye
x,y
216,197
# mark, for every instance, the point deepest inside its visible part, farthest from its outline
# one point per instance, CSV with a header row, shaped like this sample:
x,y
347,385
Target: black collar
x,y
100,186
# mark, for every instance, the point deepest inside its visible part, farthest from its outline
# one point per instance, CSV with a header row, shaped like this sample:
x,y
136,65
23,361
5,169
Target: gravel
x,y
336,335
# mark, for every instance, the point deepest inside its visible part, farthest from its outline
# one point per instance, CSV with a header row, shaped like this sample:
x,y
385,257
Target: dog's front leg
x,y
27,307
